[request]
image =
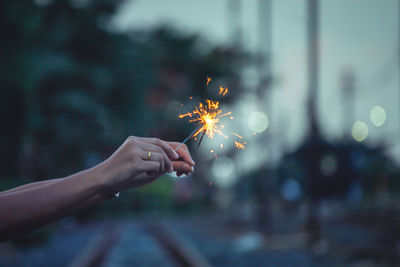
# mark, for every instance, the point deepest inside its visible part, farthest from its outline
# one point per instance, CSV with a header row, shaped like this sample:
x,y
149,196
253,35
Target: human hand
x,y
181,160
131,166
135,163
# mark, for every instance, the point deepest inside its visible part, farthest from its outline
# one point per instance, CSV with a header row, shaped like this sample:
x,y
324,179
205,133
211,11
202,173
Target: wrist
x,y
102,178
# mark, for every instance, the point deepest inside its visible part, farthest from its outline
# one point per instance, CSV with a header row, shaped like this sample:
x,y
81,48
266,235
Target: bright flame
x,y
207,115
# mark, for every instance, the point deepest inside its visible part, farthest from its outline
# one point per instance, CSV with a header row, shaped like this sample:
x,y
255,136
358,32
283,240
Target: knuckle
x,y
131,142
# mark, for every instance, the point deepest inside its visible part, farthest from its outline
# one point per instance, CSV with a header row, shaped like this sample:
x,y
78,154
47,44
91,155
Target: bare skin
x,y
33,205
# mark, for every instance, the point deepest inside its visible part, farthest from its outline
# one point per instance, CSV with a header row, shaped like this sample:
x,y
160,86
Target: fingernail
x,y
171,169
193,162
176,156
192,168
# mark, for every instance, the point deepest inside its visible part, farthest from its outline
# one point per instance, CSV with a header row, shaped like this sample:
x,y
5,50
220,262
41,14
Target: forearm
x,y
30,186
25,210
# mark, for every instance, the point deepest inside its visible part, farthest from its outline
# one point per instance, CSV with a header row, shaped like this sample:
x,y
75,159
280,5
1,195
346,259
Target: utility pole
x,y
312,155
348,84
234,21
313,65
398,66
263,186
264,43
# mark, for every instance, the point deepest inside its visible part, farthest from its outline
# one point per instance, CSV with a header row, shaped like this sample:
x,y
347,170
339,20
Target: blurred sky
x,y
357,34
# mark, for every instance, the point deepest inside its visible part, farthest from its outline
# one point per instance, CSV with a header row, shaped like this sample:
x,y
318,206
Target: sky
x,y
357,35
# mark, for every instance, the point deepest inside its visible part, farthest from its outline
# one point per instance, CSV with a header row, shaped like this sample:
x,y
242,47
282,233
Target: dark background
x,y
72,90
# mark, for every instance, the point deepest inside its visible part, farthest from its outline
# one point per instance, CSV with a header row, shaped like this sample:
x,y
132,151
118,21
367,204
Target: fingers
x,y
157,149
163,152
167,148
151,167
183,152
154,157
182,167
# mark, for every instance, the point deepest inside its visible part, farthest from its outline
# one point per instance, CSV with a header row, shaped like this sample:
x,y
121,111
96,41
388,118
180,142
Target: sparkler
x,y
208,116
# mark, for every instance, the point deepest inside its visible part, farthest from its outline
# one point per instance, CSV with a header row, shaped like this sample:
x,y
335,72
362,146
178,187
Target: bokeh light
x,y
377,116
223,170
291,190
359,131
258,121
328,165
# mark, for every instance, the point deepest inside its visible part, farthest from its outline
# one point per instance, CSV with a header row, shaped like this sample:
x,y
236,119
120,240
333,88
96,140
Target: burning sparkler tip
x,y
208,115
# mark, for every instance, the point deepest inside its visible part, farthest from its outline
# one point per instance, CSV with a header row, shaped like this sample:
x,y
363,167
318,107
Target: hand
x,y
131,166
181,160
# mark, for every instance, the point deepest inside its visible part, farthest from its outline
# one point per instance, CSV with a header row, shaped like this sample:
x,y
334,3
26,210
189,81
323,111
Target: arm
x,y
30,206
30,186
28,209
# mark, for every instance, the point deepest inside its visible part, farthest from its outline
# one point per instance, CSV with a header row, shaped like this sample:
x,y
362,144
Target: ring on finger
x,y
149,155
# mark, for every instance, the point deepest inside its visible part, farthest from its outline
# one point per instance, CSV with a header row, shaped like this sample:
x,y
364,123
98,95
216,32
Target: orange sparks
x,y
223,90
235,134
190,97
208,80
207,115
185,115
240,145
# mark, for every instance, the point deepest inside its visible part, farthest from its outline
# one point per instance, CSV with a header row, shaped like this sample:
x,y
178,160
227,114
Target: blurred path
x,y
201,240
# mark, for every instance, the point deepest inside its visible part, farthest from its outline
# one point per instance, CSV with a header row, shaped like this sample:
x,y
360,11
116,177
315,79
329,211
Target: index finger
x,y
183,152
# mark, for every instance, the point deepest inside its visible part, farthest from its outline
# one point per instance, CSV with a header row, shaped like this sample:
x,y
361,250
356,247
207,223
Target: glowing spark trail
x,y
208,80
235,134
240,145
223,90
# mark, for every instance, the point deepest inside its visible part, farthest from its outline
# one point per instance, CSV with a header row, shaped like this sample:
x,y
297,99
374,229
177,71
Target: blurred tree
x,y
84,88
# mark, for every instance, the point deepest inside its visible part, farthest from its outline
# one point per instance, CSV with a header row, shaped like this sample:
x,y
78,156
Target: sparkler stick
x,y
187,138
201,139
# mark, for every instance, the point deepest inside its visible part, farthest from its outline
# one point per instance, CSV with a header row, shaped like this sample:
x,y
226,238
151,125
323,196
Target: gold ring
x,y
149,155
